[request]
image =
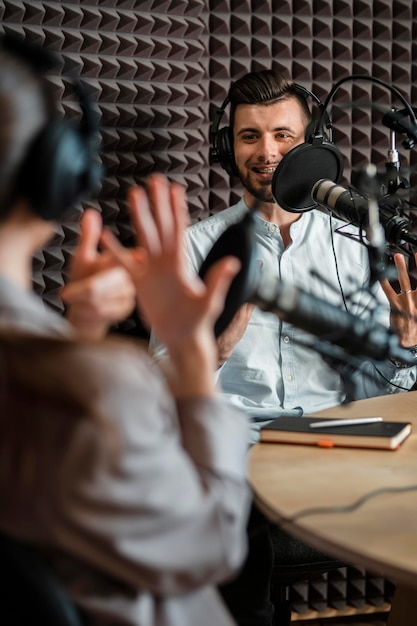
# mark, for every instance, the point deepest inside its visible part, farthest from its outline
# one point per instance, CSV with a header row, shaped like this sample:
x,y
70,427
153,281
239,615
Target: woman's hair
x,y
264,87
25,106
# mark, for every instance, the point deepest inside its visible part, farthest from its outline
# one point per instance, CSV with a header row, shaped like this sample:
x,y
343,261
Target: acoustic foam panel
x,y
160,68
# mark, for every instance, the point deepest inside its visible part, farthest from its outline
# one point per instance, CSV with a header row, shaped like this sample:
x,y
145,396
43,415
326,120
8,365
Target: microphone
x,y
355,335
237,240
350,206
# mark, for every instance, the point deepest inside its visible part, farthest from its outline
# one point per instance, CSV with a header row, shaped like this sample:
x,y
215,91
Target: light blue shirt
x,y
270,372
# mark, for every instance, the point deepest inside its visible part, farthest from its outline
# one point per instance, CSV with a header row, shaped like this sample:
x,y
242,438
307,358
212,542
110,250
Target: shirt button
x,y
272,228
288,377
286,339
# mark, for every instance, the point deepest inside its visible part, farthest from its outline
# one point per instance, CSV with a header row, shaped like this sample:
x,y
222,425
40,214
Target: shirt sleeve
x,y
374,379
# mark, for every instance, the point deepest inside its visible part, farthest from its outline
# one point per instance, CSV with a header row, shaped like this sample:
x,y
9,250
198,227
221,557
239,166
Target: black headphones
x,y
61,165
222,139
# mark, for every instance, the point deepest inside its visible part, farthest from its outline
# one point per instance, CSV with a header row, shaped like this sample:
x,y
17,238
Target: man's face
x,y
262,136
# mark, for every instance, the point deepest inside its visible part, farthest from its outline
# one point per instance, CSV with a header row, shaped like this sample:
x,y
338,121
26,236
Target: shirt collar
x,y
297,229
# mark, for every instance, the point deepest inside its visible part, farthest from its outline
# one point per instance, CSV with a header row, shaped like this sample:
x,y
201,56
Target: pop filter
x,y
237,240
300,169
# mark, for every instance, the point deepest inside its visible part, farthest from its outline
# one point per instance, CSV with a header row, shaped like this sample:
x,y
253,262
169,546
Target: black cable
x,y
335,88
336,264
347,508
389,381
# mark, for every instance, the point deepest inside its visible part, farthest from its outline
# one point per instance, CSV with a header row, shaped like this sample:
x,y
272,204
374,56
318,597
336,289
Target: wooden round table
x,y
308,490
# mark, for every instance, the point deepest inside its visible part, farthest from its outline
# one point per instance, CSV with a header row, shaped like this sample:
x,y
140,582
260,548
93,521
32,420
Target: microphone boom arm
x,y
304,310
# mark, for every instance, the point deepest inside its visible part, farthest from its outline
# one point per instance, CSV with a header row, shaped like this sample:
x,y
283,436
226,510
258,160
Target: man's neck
x,y
272,212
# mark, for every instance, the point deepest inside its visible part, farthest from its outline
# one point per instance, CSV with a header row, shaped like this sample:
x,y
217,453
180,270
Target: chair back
x,y
29,590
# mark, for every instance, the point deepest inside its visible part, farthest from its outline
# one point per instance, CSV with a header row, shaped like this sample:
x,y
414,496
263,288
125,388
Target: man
x,y
130,483
265,368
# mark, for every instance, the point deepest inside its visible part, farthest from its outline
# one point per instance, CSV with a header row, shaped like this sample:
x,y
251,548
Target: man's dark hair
x,y
264,87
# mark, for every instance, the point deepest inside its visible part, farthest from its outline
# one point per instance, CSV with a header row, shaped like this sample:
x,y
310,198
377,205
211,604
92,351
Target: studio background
x,y
159,69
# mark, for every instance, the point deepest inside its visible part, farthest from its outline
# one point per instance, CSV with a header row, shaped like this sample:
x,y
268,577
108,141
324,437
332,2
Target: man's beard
x,y
263,193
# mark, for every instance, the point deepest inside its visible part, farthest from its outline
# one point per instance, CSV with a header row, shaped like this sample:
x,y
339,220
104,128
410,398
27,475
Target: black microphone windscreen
x,y
299,169
237,240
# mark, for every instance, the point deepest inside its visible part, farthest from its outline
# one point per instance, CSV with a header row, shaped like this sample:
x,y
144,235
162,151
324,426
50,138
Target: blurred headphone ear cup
x,y
56,170
225,153
61,163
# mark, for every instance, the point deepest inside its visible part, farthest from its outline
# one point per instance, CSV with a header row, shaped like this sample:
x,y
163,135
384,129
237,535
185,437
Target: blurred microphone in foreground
x,y
358,336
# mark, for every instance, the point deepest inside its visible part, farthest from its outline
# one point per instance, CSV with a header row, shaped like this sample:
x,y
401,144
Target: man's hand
x,y
403,304
100,291
229,338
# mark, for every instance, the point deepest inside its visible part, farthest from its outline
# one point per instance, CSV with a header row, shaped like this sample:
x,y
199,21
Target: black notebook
x,y
385,435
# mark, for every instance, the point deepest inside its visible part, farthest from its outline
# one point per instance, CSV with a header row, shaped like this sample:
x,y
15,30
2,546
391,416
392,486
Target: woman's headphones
x,y
61,165
222,139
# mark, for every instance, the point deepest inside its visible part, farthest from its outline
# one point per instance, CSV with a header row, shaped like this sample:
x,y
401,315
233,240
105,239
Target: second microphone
x,y
352,207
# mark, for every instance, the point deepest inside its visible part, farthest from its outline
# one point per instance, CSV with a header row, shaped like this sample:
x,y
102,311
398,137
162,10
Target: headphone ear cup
x,y
309,132
56,170
225,153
